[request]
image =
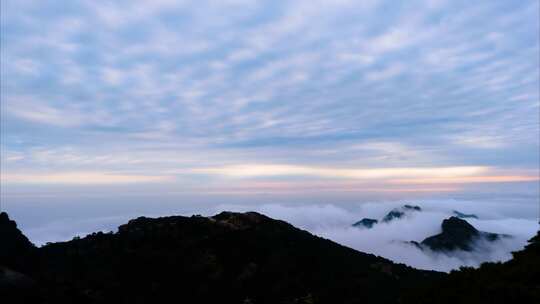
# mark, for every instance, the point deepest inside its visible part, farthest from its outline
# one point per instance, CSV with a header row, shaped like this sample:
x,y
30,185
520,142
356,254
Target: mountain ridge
x,y
243,258
229,257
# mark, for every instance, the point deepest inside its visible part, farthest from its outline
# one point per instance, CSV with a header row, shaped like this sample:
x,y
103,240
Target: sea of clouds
x,y
333,221
389,239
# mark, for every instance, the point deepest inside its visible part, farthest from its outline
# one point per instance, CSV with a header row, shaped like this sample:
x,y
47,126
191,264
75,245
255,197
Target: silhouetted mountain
x,y
16,255
393,214
227,258
464,215
397,213
515,281
457,234
412,207
15,247
246,258
365,223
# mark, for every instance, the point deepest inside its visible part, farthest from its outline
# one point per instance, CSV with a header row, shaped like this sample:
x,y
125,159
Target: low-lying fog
x,y
387,239
333,221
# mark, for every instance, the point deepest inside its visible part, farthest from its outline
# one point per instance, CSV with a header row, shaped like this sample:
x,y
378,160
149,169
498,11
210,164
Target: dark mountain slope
x,y
228,258
15,247
17,254
515,281
245,258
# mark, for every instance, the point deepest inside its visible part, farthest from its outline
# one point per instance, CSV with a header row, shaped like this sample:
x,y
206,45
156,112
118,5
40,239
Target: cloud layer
x,y
147,88
333,221
388,239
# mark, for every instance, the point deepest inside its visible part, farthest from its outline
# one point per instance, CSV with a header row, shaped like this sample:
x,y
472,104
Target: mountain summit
x,y
226,258
397,213
242,258
457,234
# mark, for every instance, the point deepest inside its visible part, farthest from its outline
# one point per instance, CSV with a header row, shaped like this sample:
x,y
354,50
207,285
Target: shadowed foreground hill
x,y
16,252
15,248
227,258
241,258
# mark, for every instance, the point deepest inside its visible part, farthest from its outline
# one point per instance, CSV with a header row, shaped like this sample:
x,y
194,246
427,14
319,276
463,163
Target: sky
x,y
145,105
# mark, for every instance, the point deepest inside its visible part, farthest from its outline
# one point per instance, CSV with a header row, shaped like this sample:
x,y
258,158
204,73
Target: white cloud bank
x,y
333,221
387,239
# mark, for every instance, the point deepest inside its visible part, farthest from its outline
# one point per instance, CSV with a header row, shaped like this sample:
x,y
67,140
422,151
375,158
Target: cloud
x,y
27,66
479,141
44,114
386,73
80,178
66,229
112,76
388,239
374,173
468,179
324,99
333,221
391,40
214,85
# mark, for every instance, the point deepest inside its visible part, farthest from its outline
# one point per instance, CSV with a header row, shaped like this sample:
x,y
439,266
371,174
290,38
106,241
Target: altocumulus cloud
x,y
81,178
304,83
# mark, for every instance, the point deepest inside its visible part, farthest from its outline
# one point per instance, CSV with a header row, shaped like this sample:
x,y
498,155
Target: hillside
x,y
15,247
239,258
227,258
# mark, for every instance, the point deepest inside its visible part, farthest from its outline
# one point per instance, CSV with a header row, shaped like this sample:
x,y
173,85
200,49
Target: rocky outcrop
x,y
365,223
397,213
457,234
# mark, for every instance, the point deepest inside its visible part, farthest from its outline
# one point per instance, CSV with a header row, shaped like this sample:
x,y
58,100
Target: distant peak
x,y
412,207
365,222
400,212
464,215
457,225
458,234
